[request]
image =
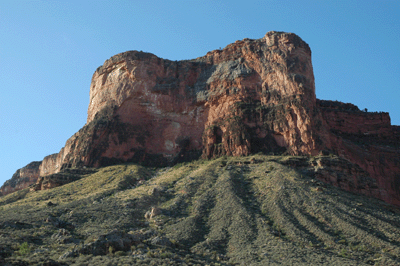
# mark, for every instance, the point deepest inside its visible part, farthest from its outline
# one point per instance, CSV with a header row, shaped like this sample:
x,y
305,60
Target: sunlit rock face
x,y
21,179
252,96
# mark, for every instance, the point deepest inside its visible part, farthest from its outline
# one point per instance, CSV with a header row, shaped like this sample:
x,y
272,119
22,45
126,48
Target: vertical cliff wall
x,y
368,140
253,95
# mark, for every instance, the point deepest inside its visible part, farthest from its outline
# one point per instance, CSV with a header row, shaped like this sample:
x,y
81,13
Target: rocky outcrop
x,y
336,171
346,120
252,96
59,179
368,140
22,178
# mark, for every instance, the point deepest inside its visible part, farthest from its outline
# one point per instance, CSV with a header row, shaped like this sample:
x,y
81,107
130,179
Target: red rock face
x,y
252,96
347,119
22,178
368,140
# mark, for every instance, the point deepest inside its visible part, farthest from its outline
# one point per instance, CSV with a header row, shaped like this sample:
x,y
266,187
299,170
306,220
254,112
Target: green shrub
x,y
110,250
24,249
120,253
165,255
343,253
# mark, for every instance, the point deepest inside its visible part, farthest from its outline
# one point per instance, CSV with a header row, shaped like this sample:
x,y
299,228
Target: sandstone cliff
x,y
22,178
252,96
368,140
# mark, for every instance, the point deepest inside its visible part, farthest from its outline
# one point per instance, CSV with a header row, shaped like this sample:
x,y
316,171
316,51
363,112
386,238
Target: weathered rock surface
x,y
336,171
59,179
108,243
367,140
22,178
252,96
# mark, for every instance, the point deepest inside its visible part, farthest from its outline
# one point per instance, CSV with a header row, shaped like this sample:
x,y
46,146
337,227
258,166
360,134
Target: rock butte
x,y
252,96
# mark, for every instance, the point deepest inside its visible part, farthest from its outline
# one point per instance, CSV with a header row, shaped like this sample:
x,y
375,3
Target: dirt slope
x,y
252,210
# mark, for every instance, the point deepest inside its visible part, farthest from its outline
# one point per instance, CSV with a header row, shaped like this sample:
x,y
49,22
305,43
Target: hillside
x,y
254,210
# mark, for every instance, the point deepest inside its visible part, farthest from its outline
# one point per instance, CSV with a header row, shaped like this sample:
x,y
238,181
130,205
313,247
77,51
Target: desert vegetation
x,y
253,210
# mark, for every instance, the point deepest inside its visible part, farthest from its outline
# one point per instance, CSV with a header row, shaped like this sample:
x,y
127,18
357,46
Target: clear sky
x,y
49,51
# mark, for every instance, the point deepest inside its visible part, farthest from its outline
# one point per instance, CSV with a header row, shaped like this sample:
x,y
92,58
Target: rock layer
x,y
368,140
22,178
252,96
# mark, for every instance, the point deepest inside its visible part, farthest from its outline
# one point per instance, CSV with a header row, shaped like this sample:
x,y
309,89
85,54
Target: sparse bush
x,y
165,255
377,256
24,249
120,253
110,250
343,253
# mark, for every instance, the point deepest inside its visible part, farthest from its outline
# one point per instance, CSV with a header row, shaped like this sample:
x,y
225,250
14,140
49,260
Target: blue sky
x,y
49,51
